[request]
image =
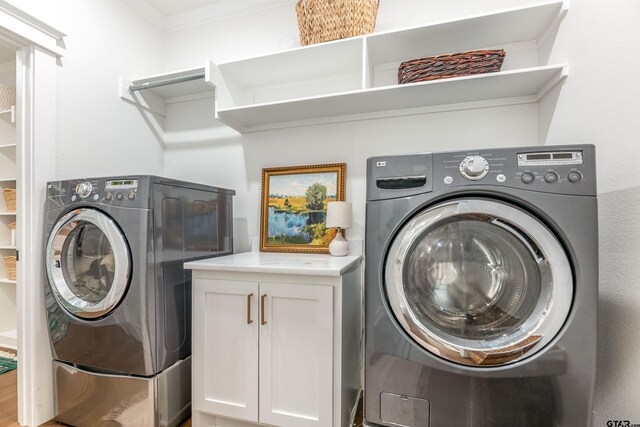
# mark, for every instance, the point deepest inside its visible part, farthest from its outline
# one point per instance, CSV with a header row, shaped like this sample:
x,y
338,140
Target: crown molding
x,y
203,15
219,11
149,12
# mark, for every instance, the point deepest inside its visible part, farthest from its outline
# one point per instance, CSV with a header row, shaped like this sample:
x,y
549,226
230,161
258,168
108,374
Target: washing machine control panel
x,y
557,169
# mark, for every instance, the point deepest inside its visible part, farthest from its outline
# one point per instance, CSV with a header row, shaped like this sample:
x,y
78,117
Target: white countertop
x,y
267,262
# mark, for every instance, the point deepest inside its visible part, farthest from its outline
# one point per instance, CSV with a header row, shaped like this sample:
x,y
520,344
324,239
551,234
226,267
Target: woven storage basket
x,y
453,65
10,199
7,96
324,20
10,266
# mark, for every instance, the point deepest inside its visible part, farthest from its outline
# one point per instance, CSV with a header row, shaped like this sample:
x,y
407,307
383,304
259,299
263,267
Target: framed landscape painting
x,y
294,207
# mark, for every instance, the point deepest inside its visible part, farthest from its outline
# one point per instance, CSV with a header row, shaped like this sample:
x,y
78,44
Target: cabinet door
x,y
296,355
225,348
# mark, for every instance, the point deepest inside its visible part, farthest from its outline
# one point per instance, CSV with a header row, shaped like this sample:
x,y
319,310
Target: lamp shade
x,y
338,215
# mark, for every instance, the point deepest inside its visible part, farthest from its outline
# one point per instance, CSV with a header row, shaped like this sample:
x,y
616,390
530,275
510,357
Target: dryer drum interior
x,y
478,282
88,263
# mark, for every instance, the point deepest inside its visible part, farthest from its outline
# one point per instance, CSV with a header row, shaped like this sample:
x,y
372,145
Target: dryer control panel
x,y
126,191
568,169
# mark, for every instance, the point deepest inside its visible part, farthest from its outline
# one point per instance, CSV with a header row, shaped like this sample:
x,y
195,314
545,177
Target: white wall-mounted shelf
x,y
9,339
508,87
6,281
355,78
9,115
153,93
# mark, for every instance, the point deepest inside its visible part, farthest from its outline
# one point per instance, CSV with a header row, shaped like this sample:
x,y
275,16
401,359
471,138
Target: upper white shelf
x,y
508,87
9,115
356,78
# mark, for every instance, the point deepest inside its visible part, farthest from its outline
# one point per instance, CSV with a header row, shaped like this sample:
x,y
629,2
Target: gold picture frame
x,y
294,206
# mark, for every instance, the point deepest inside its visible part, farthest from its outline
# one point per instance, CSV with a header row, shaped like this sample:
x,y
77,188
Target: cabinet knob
x,y
262,298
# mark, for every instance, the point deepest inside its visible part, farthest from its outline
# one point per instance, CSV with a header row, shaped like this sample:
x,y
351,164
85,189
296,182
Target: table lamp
x,y
338,217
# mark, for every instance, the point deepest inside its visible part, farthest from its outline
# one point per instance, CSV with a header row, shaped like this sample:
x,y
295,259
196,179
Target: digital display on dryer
x,y
122,184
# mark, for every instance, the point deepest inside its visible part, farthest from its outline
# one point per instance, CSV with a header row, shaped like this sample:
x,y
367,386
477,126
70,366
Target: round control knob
x,y
574,176
528,178
474,167
551,177
119,196
109,196
84,189
131,195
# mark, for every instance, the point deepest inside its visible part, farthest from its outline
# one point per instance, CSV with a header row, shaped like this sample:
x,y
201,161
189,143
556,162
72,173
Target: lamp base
x,y
339,246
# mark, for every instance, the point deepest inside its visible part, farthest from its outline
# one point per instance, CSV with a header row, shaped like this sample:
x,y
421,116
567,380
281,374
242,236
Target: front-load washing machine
x,y
481,288
118,300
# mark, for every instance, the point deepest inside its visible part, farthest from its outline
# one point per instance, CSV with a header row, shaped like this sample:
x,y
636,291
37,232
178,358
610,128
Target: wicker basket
x,y
10,199
324,20
10,266
453,65
7,96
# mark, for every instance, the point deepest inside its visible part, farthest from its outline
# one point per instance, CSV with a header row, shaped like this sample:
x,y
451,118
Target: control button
x,y
574,176
109,196
474,167
528,178
73,198
96,197
448,180
119,196
84,189
551,177
501,178
131,195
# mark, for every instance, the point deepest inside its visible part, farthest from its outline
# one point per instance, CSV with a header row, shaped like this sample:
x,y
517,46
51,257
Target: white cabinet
x,y
276,345
356,78
225,340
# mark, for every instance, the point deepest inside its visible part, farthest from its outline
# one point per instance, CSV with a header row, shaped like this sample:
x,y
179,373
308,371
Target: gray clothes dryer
x,y
118,300
481,288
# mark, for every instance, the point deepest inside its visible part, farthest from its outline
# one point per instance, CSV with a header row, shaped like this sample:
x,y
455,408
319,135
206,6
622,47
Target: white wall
x,y
598,105
97,133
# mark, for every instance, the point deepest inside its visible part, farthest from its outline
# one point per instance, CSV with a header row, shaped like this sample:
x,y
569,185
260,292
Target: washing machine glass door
x,y
88,263
478,282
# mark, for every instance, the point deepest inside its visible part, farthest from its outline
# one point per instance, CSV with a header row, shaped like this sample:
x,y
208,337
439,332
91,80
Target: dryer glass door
x,y
88,263
479,282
